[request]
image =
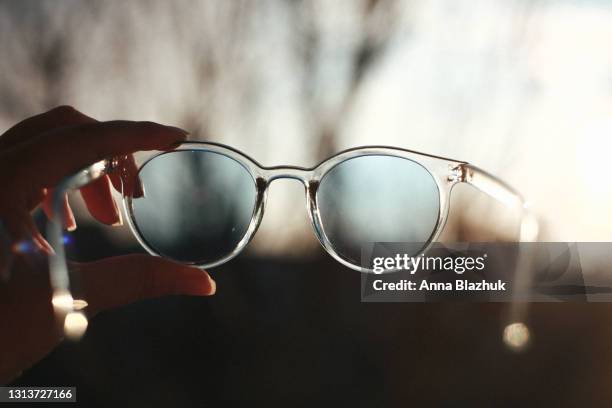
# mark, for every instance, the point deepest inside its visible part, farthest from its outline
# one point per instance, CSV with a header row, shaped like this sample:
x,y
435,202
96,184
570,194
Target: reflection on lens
x,y
377,198
197,205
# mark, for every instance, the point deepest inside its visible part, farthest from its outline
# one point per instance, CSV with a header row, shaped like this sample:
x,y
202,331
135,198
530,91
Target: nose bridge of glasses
x,y
288,172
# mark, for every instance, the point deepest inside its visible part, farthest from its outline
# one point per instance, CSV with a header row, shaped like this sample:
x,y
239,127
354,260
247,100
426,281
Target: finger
x,y
71,148
47,206
32,127
25,234
37,237
99,200
126,180
121,280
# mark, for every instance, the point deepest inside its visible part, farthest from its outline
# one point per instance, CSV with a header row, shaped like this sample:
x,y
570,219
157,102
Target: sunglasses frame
x,y
442,170
446,173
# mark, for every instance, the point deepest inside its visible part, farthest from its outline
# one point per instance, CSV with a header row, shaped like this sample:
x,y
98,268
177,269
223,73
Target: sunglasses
x,y
201,203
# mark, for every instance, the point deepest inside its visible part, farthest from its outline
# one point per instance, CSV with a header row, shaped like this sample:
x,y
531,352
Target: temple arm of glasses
x,y
504,193
66,308
529,231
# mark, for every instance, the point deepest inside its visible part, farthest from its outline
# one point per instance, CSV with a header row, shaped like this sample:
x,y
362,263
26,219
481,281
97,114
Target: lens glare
x,y
377,198
197,205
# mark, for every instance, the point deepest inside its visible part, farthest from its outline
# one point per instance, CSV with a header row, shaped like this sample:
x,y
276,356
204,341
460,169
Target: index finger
x,y
30,128
50,159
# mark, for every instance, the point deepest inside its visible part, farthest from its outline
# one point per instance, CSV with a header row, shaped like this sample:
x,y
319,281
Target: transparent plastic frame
x,y
446,173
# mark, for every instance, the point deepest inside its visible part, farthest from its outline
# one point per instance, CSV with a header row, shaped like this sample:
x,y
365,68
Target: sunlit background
x,y
520,88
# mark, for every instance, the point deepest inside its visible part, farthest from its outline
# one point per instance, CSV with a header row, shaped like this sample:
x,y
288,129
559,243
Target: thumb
x,y
118,281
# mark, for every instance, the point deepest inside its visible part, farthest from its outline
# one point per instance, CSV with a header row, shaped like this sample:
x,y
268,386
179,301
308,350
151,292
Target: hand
x,y
34,156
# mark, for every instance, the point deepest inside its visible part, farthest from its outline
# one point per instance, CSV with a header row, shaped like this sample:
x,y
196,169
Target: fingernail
x,y
178,130
196,285
119,222
51,251
48,247
70,220
43,245
116,220
213,286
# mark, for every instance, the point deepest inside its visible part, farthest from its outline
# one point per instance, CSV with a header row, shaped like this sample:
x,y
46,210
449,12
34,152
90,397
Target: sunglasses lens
x,y
377,198
197,205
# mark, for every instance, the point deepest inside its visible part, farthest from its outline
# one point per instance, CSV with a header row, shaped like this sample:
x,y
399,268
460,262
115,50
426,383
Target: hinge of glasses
x,y
114,163
457,173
